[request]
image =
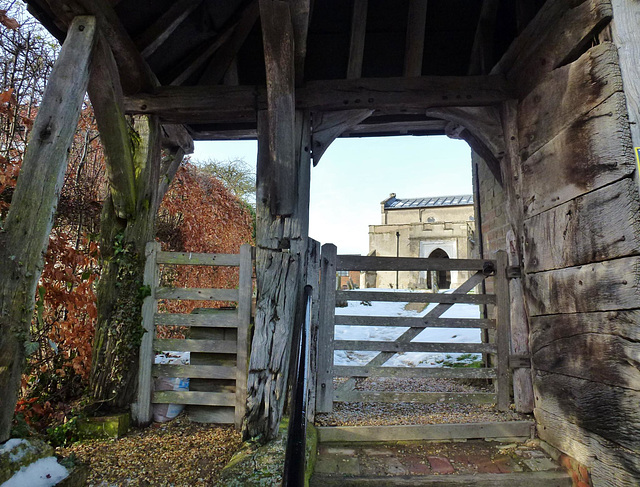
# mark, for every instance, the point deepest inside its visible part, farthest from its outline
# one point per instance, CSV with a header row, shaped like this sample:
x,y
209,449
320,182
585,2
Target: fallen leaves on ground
x,y
179,453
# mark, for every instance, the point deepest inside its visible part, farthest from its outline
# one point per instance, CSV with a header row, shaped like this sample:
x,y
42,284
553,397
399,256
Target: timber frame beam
x,y
239,103
132,71
106,97
135,74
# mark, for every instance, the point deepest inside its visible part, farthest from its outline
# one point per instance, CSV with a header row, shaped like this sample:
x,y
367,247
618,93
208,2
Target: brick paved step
x,y
519,479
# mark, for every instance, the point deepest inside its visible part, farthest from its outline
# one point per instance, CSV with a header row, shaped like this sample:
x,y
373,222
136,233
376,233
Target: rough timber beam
x,y
176,136
156,34
25,235
224,56
416,25
278,41
239,103
135,74
327,127
106,97
358,31
192,64
481,53
480,127
300,14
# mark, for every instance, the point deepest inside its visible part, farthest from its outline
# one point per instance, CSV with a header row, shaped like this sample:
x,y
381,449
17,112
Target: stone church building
x,y
437,227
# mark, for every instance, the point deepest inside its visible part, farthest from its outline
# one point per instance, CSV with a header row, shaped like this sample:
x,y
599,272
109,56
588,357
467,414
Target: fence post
x,y
502,330
245,288
327,309
141,410
313,280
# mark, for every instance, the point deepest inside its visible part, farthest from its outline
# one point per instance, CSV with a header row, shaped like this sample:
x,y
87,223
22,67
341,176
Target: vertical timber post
x,y
522,381
245,286
502,330
28,225
282,218
312,265
141,409
281,246
512,183
326,321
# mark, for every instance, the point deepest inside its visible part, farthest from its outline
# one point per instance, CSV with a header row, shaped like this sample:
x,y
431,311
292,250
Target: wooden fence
x,y
217,341
499,347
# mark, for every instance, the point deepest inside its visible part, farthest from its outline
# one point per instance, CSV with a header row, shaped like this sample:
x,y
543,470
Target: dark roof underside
x,y
224,37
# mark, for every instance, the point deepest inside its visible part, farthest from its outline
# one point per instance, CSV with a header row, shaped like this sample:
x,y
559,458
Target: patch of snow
x,y
391,333
173,358
11,445
45,472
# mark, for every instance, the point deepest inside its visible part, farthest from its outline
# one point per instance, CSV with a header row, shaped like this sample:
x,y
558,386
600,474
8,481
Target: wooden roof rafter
x,y
152,38
356,43
132,72
416,25
481,60
200,57
135,73
225,54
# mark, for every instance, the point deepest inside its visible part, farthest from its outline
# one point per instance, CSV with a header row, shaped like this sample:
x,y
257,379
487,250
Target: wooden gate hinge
x,y
520,361
514,272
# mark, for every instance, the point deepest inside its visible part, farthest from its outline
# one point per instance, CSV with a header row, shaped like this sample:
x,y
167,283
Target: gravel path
x,y
378,414
179,453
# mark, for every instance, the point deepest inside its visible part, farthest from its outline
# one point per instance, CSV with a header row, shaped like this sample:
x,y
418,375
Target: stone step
x,y
520,479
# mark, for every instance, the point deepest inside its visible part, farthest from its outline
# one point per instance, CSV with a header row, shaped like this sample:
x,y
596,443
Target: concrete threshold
x,y
506,431
520,479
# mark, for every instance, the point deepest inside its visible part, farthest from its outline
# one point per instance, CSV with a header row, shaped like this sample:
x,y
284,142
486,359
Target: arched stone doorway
x,y
440,249
441,279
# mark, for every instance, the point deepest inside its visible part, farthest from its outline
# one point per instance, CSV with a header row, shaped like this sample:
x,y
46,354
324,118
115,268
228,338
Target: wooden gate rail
x,y
233,320
496,269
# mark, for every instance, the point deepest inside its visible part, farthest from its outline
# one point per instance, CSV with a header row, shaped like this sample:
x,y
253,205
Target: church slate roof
x,y
428,202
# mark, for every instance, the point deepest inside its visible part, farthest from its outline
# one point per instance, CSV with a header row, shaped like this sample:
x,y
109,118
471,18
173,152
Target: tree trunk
x,y
120,289
26,235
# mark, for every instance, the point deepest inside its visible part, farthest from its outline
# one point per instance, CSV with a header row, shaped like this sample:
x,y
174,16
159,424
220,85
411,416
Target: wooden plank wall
x,y
581,235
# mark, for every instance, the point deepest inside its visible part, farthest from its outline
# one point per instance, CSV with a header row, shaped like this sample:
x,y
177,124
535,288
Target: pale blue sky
x,y
355,175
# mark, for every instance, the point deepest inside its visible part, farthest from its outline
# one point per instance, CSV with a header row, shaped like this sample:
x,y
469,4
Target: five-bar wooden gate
x,y
498,347
217,340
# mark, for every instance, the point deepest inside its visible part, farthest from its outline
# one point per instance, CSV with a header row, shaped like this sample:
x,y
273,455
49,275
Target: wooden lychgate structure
x,y
546,93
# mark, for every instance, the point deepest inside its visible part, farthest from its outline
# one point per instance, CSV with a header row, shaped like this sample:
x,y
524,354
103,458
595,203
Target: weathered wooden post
x,y
512,177
281,243
326,321
312,265
522,381
282,213
245,286
26,235
141,410
503,331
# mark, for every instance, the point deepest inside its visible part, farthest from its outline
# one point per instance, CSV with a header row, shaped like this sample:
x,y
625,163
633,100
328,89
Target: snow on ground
x,y
20,452
390,333
173,358
44,472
